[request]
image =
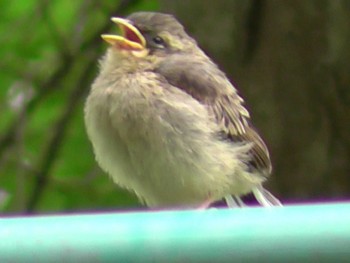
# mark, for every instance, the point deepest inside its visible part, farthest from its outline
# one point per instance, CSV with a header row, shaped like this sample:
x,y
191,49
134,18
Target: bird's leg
x,y
206,204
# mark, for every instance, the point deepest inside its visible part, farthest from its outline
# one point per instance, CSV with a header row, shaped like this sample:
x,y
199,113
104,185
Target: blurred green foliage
x,y
49,52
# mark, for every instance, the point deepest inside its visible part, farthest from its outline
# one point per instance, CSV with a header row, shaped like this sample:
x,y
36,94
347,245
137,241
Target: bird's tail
x,y
262,196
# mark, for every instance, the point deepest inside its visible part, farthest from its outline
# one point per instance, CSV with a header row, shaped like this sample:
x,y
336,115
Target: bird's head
x,y
149,34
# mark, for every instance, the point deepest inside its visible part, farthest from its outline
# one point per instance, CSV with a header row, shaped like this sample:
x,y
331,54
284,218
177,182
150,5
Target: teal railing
x,y
307,233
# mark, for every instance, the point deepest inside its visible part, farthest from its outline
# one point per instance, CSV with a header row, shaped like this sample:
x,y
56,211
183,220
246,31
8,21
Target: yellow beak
x,y
131,38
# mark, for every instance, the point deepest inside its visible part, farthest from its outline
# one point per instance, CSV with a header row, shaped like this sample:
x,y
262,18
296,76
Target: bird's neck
x,y
118,64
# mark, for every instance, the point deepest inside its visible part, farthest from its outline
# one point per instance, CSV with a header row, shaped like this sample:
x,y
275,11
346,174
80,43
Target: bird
x,y
167,124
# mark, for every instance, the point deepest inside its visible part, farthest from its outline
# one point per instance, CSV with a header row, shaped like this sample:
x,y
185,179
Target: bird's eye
x,y
158,40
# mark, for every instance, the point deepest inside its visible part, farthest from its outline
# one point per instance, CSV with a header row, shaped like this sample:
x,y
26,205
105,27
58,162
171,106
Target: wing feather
x,y
205,82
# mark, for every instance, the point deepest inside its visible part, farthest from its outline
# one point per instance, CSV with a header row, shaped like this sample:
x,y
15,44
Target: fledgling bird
x,y
167,124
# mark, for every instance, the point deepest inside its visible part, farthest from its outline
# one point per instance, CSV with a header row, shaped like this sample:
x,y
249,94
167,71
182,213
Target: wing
x,y
205,82
234,120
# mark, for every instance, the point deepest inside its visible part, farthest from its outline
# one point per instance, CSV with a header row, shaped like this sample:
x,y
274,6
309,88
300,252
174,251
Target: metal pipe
x,y
307,233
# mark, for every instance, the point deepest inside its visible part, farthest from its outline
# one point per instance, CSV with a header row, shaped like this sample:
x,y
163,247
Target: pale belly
x,y
168,153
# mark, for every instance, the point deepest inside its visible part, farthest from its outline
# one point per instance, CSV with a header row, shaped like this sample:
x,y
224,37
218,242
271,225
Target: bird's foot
x,y
206,204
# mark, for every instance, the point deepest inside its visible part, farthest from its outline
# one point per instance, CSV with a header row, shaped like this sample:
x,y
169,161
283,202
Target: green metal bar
x,y
309,233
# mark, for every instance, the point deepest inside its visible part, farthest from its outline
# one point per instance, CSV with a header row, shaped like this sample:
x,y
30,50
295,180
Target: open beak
x,y
131,38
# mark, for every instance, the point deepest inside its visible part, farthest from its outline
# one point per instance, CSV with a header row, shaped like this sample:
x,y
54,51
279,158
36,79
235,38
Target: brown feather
x,y
205,82
234,121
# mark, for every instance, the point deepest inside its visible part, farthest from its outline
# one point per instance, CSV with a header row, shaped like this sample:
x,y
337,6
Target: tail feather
x,y
234,201
265,198
262,196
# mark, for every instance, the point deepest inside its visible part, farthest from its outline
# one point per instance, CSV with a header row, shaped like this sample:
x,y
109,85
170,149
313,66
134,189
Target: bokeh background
x,y
289,59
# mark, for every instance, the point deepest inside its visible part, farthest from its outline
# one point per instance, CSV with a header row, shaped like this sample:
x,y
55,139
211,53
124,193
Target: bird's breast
x,y
158,141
